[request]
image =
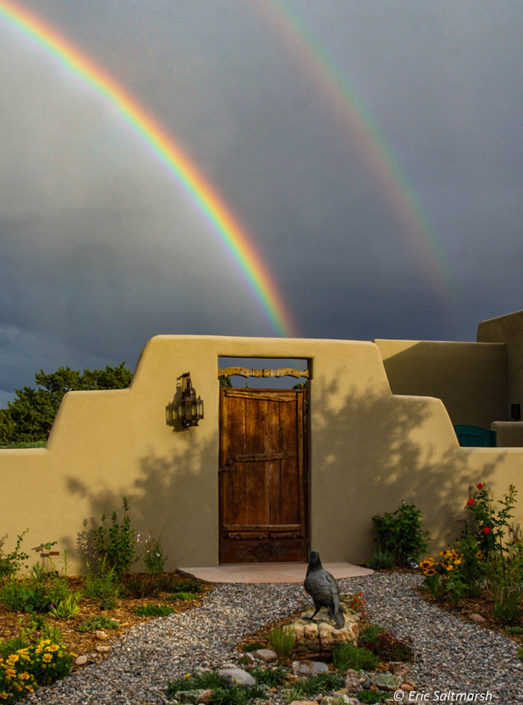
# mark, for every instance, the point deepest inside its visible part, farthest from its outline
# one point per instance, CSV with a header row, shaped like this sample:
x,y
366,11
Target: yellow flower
x,y
12,658
47,657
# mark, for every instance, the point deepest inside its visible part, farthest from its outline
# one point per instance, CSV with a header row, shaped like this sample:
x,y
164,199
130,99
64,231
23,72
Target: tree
x,y
29,417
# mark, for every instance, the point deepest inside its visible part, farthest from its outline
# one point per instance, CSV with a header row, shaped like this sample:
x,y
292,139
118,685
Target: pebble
x,y
452,655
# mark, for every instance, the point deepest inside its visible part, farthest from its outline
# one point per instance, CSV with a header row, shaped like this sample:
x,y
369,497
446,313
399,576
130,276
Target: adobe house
x,y
267,475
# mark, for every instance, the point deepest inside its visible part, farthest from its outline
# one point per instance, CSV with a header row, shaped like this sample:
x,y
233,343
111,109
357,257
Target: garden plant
x,y
487,560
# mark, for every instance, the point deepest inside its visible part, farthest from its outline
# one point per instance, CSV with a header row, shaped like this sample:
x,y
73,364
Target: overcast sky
x,y
100,249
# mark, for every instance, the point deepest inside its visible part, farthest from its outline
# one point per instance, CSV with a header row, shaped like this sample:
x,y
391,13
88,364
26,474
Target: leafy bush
x,y
322,683
139,586
183,596
381,560
171,583
271,677
37,593
153,556
102,585
401,533
35,657
116,544
223,694
10,563
283,640
348,656
372,696
369,634
251,647
98,623
66,608
387,648
153,610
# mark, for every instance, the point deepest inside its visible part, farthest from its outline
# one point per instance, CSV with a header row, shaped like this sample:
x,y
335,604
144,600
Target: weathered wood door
x,y
263,497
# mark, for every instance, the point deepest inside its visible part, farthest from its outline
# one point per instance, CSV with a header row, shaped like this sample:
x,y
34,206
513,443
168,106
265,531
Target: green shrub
x,y
98,623
10,563
401,533
116,544
138,586
223,694
183,596
35,657
283,640
381,560
153,610
348,656
372,696
171,583
101,585
271,677
387,648
251,647
369,634
66,608
36,593
153,556
322,683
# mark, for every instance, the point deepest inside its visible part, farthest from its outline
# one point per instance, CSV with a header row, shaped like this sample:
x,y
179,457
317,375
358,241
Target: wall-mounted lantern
x,y
189,408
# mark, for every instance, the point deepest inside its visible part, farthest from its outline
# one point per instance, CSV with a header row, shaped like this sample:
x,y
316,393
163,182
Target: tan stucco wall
x,y
470,378
369,450
508,330
508,433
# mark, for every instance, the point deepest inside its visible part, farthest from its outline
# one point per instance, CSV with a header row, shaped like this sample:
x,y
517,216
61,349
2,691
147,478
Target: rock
x,y
205,697
101,635
81,660
322,634
399,668
385,680
102,649
191,697
407,686
308,668
300,702
354,681
476,618
266,655
236,676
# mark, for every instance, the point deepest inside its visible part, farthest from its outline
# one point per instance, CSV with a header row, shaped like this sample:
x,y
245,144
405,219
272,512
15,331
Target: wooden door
x,y
262,483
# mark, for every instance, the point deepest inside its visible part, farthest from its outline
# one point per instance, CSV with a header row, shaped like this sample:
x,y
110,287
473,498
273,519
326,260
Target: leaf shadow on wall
x,y
371,451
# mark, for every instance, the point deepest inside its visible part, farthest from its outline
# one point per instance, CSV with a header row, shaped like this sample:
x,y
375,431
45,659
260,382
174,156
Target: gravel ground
x,y
452,655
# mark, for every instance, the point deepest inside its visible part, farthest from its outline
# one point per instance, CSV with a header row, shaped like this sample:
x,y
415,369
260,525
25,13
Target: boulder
x,y
266,655
322,634
236,676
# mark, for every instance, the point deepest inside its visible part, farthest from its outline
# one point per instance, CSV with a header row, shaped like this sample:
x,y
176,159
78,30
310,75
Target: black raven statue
x,y
323,589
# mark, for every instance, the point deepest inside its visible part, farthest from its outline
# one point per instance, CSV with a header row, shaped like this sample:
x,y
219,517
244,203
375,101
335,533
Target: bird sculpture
x,y
323,589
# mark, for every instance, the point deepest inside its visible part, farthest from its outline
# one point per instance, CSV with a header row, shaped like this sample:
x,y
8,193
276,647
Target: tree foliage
x,y
29,417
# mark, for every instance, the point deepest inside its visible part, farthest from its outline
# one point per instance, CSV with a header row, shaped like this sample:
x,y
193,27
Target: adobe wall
x,y
470,378
508,330
369,450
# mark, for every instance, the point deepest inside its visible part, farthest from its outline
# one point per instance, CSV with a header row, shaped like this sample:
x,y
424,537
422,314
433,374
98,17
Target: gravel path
x,y
452,655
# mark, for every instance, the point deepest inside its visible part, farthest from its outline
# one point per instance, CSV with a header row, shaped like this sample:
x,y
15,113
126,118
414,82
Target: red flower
x,y
470,502
486,529
480,486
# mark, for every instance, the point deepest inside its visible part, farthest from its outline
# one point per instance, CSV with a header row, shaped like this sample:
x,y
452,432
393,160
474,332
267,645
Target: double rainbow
x,y
199,191
349,111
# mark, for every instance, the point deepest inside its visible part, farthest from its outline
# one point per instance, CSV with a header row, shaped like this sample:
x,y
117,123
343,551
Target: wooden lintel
x,y
245,372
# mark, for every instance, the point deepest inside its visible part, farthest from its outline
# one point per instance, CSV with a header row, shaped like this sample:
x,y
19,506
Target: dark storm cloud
x,y
100,249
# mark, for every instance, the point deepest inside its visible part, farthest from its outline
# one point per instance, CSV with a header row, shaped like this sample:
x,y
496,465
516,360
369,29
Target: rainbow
x,y
200,192
353,116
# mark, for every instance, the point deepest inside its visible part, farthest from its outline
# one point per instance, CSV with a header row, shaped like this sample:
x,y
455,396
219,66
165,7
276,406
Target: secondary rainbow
x,y
350,112
202,194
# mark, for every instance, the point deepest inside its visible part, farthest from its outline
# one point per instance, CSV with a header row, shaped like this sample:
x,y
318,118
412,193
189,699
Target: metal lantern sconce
x,y
190,407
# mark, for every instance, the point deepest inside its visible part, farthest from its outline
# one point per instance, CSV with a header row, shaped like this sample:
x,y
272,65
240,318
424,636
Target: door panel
x,y
262,486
